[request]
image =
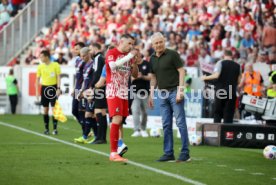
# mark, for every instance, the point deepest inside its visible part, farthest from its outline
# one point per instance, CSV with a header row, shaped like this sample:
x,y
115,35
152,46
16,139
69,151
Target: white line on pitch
x,y
29,143
239,170
274,178
179,177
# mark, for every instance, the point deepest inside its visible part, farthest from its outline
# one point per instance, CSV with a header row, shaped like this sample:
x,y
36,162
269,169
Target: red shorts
x,y
117,107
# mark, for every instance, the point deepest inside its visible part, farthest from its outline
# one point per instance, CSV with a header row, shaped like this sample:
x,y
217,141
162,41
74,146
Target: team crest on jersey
x,y
110,57
117,109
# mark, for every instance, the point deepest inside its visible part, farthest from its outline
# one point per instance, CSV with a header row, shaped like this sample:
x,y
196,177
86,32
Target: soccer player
x,y
49,74
119,67
79,64
122,147
87,102
100,100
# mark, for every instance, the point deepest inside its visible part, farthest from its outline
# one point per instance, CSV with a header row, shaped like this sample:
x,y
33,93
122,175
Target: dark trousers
x,y
13,102
224,108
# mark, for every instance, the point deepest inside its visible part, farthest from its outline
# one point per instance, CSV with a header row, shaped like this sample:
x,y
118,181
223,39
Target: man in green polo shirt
x,y
167,73
12,90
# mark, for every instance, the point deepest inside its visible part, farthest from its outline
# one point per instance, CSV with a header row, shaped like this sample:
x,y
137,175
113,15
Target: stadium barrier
x,y
237,135
25,26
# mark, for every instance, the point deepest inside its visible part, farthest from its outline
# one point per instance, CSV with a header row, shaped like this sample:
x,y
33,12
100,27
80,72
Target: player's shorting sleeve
x,y
97,73
38,73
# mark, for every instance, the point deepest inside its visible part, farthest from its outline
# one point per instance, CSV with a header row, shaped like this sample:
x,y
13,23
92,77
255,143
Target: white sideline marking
x,y
257,173
274,178
239,170
179,177
29,143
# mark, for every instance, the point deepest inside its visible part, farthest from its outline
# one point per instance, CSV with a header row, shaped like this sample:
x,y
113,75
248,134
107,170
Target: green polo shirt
x,y
165,69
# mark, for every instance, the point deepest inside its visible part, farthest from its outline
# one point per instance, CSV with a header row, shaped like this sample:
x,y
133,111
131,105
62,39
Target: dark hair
x,y
46,53
127,36
80,44
96,45
228,53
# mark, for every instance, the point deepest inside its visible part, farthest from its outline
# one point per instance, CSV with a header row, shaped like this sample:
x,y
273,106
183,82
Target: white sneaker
x,y
121,150
144,133
136,134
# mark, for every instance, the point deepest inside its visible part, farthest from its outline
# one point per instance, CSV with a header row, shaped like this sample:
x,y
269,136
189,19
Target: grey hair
x,y
156,35
84,50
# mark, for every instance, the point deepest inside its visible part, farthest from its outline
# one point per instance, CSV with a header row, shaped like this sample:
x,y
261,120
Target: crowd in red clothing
x,y
200,30
8,9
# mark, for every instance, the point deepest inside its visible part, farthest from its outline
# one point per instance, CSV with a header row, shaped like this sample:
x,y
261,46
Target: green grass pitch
x,y
28,159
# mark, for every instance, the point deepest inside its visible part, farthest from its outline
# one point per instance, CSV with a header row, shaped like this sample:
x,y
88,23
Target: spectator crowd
x,y
8,9
200,30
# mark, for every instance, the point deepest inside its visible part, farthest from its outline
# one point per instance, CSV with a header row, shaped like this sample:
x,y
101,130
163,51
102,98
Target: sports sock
x,y
46,121
104,128
87,127
114,136
94,126
55,122
100,126
82,121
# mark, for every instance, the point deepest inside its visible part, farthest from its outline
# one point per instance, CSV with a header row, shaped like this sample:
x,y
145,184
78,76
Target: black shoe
x,y
184,159
99,142
55,132
166,158
46,132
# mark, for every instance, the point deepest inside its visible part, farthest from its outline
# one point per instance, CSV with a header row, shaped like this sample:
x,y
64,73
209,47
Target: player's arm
x,y
134,70
120,62
36,88
38,75
153,84
100,83
215,75
58,80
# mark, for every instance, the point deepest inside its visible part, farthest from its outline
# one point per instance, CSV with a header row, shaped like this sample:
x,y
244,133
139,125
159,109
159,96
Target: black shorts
x,y
48,95
100,99
82,104
90,106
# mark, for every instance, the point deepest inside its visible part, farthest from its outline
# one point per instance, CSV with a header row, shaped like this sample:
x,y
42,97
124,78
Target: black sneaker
x,y
184,159
166,158
46,132
99,142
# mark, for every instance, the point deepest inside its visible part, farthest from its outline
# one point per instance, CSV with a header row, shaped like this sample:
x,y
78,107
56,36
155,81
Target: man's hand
x,y
134,52
58,93
179,96
150,103
37,98
80,95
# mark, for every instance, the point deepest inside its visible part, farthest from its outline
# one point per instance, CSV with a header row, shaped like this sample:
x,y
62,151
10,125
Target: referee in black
x,y
100,99
48,75
227,74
